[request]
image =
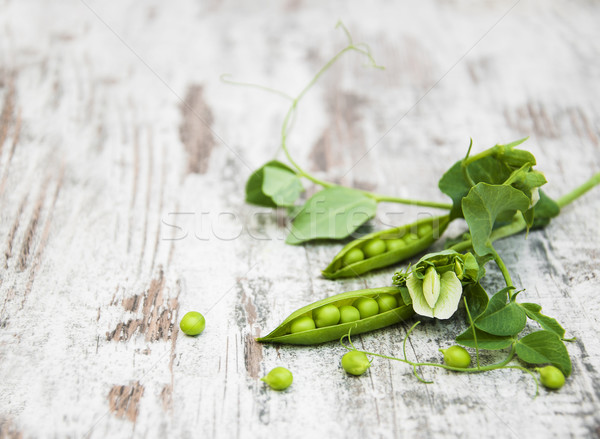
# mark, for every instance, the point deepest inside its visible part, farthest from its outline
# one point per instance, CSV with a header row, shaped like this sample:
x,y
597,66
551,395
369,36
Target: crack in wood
x,y
159,315
343,129
253,353
28,241
124,401
195,132
13,231
8,430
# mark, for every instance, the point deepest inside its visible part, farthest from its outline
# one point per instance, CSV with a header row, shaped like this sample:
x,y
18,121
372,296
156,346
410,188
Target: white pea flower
x,y
535,196
435,296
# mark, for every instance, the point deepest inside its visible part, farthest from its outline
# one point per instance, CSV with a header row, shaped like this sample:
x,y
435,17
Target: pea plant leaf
x,y
488,169
333,213
483,205
273,184
477,299
495,167
545,209
501,318
281,186
548,323
484,340
544,347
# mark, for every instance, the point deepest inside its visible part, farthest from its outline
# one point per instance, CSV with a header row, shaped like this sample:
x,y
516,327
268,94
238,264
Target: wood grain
x,y
123,160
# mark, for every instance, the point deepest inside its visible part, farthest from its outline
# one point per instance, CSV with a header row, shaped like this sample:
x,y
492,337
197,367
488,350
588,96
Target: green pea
x,y
410,238
386,302
551,377
192,323
301,324
424,230
394,244
355,362
367,307
374,247
353,256
348,314
456,356
279,378
327,315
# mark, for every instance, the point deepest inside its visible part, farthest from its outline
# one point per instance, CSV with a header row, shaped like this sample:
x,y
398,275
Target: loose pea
x,y
327,315
354,255
551,377
279,378
355,362
348,314
410,238
424,229
374,247
456,356
386,302
394,244
192,323
301,324
367,307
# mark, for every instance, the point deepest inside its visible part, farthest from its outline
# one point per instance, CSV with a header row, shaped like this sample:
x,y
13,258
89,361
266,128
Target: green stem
x,y
293,106
474,332
285,128
579,191
225,78
501,266
489,367
384,198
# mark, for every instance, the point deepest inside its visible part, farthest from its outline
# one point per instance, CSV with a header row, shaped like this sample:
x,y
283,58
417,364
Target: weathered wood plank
x,y
123,160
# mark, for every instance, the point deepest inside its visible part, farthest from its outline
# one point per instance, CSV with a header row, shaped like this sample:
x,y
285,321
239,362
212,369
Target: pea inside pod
x,y
385,247
300,327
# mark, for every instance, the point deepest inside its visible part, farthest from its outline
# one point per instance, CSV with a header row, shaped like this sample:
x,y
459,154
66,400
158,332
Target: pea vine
x,y
497,192
334,212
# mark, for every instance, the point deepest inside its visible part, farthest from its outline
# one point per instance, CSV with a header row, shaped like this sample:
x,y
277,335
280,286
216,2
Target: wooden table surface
x,y
123,160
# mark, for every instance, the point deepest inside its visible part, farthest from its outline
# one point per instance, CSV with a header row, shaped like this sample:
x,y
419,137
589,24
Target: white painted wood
x,y
120,210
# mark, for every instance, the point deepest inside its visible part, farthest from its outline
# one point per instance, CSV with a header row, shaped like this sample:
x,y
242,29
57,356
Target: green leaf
x,y
471,267
533,307
501,318
272,184
333,213
545,209
544,347
548,323
514,157
453,183
495,166
484,204
484,340
281,186
477,299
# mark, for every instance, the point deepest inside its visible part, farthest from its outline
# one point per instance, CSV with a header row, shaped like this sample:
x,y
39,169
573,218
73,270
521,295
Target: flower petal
x,y
431,286
415,289
451,292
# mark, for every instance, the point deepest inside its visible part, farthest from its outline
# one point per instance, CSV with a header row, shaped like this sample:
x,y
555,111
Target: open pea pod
x,y
386,247
282,334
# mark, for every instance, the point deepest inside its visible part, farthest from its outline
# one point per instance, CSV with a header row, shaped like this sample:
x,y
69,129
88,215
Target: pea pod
x,y
364,254
283,334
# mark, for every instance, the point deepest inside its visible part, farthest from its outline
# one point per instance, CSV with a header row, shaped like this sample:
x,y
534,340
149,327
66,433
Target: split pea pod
x,y
386,247
290,332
